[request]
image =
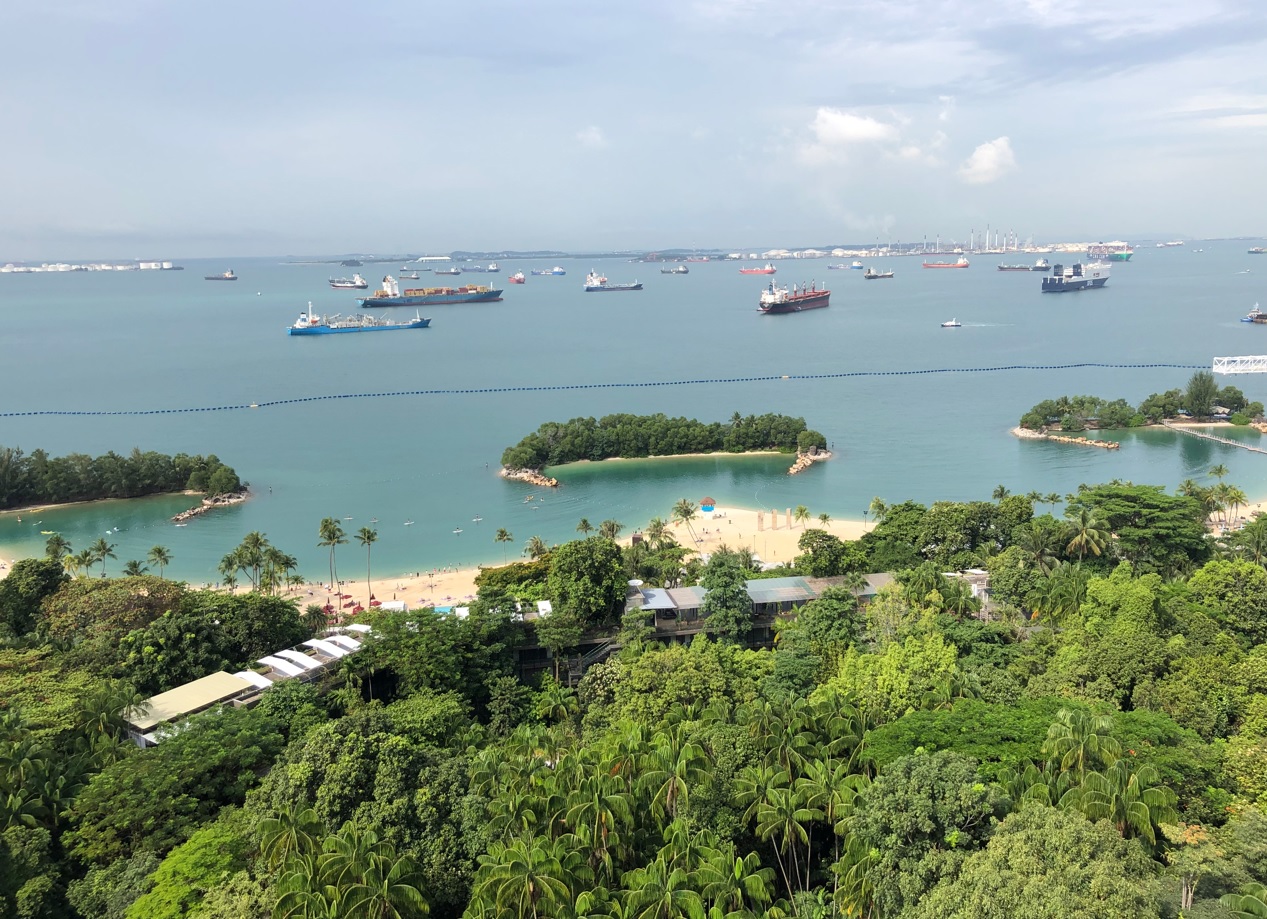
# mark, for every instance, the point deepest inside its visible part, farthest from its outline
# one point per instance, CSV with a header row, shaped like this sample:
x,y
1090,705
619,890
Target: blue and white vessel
x,y
310,323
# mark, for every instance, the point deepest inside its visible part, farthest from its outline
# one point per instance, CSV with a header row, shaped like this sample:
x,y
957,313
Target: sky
x,y
165,129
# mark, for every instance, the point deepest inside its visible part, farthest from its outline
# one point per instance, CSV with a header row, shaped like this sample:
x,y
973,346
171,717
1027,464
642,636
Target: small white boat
x,y
952,324
457,530
477,518
409,523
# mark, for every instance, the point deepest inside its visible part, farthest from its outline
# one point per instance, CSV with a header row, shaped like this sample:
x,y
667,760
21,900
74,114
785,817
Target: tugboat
x,y
779,300
1076,277
595,283
311,324
961,262
872,275
356,282
517,278
768,269
389,295
1255,315
680,269
227,276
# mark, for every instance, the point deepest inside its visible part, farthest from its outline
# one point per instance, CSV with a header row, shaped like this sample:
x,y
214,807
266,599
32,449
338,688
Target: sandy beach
x,y
774,543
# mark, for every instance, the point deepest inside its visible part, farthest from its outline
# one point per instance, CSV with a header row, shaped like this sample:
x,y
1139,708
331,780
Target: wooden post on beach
x,y
760,521
789,517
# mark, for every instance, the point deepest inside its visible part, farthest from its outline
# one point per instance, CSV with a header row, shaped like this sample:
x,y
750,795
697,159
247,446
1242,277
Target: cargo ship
x,y
311,324
1257,250
872,275
454,269
556,271
680,269
779,300
596,283
768,269
1115,251
960,262
1041,265
227,276
356,282
1076,277
517,278
389,295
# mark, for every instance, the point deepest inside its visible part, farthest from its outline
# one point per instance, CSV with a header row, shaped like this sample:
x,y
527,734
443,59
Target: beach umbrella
x,y
707,502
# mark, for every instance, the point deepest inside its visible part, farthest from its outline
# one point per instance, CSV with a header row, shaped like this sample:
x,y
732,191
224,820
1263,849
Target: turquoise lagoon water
x,y
142,340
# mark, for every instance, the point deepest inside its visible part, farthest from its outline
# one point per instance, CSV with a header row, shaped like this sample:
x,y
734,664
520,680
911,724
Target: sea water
x,y
164,340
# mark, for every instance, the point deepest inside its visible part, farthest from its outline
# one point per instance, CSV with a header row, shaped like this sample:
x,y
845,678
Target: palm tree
x,y
160,558
801,515
230,579
610,528
1250,903
277,568
535,548
57,547
133,569
1133,800
1087,533
824,518
503,536
367,537
102,550
878,509
1218,471
684,512
585,527
73,564
527,878
1000,492
331,534
1078,742
657,529
292,832
1037,544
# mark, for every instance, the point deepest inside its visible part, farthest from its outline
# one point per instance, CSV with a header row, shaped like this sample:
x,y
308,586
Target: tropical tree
x,y
529,877
878,509
535,547
801,515
1218,471
367,537
1086,532
57,547
250,556
610,528
330,534
160,558
585,527
684,512
657,530
1037,542
1250,903
1132,799
824,518
1079,742
1000,492
133,569
102,550
503,536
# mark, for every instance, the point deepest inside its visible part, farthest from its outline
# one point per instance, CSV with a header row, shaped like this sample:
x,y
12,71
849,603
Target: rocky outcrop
x,y
805,460
233,497
531,476
1027,434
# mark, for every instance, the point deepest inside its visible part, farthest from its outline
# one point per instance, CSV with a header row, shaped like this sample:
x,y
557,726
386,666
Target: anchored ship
x,y
961,262
1076,277
595,282
356,282
311,324
680,269
517,278
768,269
389,295
227,276
779,300
556,271
872,275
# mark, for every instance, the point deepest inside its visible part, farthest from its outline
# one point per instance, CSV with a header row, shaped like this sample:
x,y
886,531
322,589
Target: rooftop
x,y
188,699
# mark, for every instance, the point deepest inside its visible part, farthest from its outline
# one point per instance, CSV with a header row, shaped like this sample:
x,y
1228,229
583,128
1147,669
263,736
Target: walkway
x,y
1223,440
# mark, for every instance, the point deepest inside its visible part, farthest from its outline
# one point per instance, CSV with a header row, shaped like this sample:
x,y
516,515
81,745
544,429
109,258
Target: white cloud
x,y
947,107
834,128
991,160
592,138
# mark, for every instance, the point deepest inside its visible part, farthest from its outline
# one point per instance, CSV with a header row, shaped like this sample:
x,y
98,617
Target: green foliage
x,y
587,580
1201,394
1152,530
922,818
107,892
630,436
1014,578
521,580
23,589
1053,864
153,800
727,609
194,868
824,555
1236,594
823,629
898,680
43,479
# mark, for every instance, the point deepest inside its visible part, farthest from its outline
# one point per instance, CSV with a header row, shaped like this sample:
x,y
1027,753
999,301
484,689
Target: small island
x,y
1201,402
37,479
641,436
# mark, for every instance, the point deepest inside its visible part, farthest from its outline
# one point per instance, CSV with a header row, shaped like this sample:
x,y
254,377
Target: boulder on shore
x,y
233,497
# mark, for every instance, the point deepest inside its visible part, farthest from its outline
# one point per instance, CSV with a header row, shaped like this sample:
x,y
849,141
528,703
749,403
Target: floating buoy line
x,y
562,387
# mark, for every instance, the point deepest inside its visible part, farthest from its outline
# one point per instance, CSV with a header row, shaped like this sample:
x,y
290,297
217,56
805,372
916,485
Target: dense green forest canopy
x,y
1199,400
42,479
1088,744
632,436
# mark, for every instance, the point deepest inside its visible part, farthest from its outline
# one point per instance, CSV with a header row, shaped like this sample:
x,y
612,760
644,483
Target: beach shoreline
x,y
667,456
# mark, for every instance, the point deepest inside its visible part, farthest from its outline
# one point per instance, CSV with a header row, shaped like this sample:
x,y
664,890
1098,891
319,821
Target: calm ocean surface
x,y
142,340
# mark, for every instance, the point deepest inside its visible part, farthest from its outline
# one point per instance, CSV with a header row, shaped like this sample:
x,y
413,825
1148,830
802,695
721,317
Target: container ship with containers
x,y
311,324
390,295
1076,277
775,299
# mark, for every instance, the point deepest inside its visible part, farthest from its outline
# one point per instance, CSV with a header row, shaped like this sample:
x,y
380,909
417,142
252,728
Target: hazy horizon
x,y
170,131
